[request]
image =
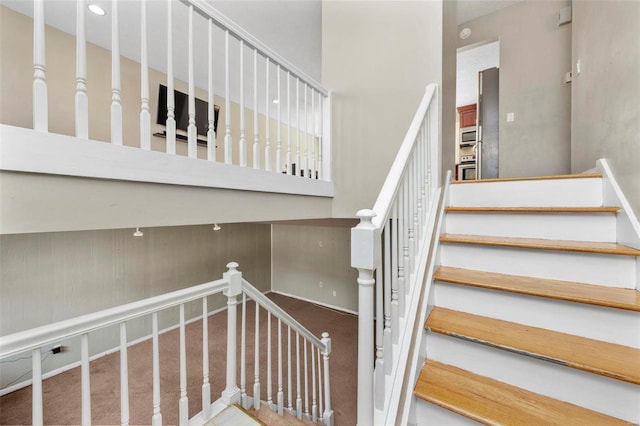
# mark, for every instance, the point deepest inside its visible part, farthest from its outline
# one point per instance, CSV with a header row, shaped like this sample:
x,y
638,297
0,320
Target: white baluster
x,y
327,415
116,106
267,130
395,300
192,131
40,102
383,352
389,326
289,168
298,165
243,354
298,387
145,117
228,143
289,385
320,411
171,115
156,420
305,134
206,386
211,134
269,365
313,134
184,401
306,379
401,246
314,403
124,376
409,221
320,126
231,394
243,141
82,102
256,132
279,129
85,380
36,387
280,395
415,189
256,365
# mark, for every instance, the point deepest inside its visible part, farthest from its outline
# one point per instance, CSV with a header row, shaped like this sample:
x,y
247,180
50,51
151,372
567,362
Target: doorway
x,y
477,111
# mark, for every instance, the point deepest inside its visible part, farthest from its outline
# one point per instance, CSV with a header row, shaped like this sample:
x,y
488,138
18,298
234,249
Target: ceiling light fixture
x,y
465,33
276,101
97,10
138,233
216,227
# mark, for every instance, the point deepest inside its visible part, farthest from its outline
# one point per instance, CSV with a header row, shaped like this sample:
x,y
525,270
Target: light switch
x,y
578,67
511,117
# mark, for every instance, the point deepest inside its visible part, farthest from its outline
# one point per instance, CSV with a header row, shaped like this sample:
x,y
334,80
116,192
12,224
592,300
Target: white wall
x,y
470,62
606,93
535,53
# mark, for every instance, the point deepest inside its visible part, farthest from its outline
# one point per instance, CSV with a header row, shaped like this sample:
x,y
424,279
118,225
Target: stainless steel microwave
x,y
468,135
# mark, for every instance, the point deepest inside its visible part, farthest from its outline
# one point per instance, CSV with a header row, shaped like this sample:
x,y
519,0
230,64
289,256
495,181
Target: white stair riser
x,y
588,268
594,322
428,414
577,227
612,397
586,192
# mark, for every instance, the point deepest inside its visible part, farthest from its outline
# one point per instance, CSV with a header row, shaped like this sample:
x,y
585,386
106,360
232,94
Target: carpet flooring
x,y
61,393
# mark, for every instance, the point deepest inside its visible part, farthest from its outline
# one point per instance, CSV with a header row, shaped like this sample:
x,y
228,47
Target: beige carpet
x,y
61,393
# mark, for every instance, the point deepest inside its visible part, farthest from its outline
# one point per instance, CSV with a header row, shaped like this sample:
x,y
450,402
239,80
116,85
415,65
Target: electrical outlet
x,y
56,349
320,284
334,293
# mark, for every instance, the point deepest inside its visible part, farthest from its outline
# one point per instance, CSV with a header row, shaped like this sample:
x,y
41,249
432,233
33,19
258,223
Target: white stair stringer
x,y
589,268
611,325
597,227
581,192
609,396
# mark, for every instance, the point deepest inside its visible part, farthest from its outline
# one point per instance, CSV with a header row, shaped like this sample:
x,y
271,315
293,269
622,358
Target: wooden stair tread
x,y
610,297
594,356
553,210
542,244
511,179
492,402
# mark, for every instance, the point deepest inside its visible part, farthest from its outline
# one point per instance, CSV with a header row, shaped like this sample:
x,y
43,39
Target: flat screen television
x,y
181,102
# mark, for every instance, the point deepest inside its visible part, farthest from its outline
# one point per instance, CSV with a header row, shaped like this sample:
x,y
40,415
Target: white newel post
x,y
365,256
327,415
231,394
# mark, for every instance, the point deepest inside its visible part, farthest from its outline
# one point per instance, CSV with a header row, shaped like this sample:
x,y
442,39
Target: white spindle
x,y
243,141
314,402
306,379
156,420
211,134
184,401
82,102
402,243
116,106
228,143
145,117
269,364
40,102
397,308
192,131
320,378
206,386
305,134
407,227
327,415
298,165
280,395
383,360
256,132
298,388
36,387
289,384
390,327
256,365
313,134
85,380
243,354
289,168
171,115
414,195
320,127
279,129
124,376
267,129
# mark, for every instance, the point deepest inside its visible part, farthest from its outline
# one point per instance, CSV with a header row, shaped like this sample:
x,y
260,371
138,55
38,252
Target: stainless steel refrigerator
x,y
488,116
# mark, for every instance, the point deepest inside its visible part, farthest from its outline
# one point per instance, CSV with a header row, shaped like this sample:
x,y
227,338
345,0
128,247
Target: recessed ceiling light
x,y
97,10
276,101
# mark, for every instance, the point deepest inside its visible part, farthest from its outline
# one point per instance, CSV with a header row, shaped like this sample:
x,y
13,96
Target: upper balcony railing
x,y
273,117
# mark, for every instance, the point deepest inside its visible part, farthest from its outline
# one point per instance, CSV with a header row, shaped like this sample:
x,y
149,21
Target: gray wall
x,y
305,255
606,94
50,277
377,59
535,53
448,92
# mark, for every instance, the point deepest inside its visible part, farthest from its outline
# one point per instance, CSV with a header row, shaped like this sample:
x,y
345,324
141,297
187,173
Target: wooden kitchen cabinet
x,y
467,115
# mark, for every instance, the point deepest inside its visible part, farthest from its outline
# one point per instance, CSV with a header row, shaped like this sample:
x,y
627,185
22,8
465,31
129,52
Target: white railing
x,y
389,248
289,108
314,364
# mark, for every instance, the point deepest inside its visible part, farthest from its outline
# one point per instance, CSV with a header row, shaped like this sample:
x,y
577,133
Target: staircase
x,y
535,313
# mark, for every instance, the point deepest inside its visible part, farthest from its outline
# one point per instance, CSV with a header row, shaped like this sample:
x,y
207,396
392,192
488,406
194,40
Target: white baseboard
x,y
315,302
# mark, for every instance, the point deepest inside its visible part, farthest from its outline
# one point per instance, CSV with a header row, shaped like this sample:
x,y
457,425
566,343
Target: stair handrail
x,y
385,249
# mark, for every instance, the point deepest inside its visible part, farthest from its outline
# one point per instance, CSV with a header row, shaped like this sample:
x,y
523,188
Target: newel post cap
x,y
327,343
235,280
365,242
366,216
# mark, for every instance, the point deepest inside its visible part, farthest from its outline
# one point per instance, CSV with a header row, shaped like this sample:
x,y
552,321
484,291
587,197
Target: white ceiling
x,y
470,62
472,9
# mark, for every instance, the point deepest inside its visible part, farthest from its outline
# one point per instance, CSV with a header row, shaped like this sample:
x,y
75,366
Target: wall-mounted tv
x,y
181,102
